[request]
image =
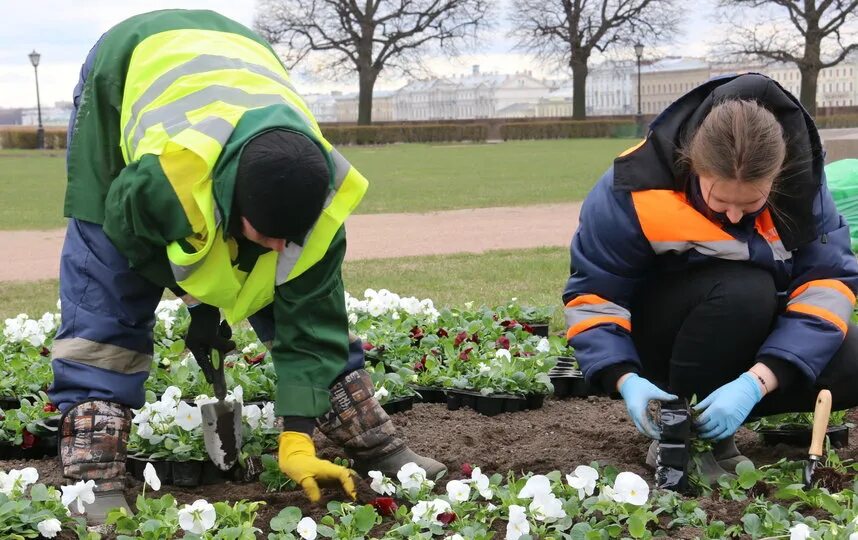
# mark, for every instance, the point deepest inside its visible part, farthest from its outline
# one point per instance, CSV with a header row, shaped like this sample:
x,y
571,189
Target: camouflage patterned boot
x,y
93,445
357,422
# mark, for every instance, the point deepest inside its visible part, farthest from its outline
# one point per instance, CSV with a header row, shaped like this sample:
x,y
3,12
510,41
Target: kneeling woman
x,y
710,260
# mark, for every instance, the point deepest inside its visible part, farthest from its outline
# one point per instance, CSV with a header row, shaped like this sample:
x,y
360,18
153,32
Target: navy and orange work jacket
x,y
646,215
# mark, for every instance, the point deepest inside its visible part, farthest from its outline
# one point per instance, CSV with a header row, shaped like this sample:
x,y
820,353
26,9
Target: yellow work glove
x,y
298,461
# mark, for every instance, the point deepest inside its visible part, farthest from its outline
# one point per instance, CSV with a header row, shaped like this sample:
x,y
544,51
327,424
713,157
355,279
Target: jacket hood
x,y
655,164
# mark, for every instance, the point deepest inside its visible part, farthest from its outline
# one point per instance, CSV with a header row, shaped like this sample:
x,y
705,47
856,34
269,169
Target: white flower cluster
x,y
154,420
36,332
384,302
166,314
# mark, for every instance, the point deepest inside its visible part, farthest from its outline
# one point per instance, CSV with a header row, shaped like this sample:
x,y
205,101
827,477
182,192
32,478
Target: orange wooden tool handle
x,y
820,422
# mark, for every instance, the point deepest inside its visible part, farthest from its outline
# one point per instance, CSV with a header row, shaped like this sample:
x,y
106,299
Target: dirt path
x,y
34,255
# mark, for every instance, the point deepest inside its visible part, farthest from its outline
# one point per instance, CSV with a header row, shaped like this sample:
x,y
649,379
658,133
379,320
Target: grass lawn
x,y
534,276
403,177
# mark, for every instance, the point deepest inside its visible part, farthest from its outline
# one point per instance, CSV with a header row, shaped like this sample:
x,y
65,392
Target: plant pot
x,y
490,405
534,401
675,421
454,401
9,402
137,464
429,394
539,329
673,455
399,405
45,447
515,404
210,474
566,362
800,437
672,479
572,385
186,473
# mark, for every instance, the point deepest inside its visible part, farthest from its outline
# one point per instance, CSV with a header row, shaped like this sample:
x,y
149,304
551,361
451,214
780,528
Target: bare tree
x,y
568,31
821,35
369,35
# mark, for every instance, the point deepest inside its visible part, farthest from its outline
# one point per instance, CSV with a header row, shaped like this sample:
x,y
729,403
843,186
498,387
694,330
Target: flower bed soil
x,y
561,435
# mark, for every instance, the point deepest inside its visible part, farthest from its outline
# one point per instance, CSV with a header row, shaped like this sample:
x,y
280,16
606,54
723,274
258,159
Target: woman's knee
x,y
747,293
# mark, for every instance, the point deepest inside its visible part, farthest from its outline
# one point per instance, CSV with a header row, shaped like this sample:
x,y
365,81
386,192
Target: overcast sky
x,y
64,30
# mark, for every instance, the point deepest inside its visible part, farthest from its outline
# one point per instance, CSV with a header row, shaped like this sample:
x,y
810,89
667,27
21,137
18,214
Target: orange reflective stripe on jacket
x,y
672,224
765,226
828,299
588,310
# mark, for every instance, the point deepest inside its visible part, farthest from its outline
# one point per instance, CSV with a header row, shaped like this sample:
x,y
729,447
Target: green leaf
x,y
752,523
39,493
365,518
637,526
287,520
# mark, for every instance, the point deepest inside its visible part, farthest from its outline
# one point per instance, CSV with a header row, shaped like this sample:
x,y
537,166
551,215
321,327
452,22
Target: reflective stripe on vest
x,y
672,224
765,226
828,299
185,91
589,310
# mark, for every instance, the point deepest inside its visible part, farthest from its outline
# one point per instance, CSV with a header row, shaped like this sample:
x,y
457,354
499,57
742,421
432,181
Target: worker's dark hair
x,y
281,185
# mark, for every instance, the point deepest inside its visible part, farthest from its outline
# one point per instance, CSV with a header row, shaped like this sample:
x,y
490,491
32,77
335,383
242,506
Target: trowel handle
x,y
821,413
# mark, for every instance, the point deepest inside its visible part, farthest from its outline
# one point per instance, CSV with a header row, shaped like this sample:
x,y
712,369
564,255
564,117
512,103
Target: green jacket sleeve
x,y
142,216
311,340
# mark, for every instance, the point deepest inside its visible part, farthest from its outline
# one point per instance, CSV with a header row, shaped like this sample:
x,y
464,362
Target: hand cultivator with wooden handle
x,y
821,413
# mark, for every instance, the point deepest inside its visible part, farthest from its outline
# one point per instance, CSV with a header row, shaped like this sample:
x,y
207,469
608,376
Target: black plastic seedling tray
x,y
800,437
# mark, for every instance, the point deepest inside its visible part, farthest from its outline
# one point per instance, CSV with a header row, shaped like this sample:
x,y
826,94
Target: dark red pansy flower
x,y
446,518
49,407
367,346
467,469
29,441
442,333
420,365
502,343
460,338
465,355
527,328
386,506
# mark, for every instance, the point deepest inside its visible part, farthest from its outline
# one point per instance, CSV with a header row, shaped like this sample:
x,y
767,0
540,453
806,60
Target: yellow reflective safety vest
x,y
187,93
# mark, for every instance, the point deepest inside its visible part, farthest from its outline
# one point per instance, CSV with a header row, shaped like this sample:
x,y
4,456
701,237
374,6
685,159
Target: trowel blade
x,y
222,432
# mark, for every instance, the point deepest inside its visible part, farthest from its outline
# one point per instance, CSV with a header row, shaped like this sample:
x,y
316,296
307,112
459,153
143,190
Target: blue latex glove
x,y
638,392
724,410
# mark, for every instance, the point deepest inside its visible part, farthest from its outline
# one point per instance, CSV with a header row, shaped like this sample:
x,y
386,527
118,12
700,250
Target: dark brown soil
x,y
560,436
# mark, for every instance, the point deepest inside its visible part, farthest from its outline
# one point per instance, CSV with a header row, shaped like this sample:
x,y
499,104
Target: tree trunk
x,y
809,76
579,88
367,83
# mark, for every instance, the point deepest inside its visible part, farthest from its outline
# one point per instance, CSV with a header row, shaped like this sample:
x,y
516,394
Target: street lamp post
x,y
40,131
639,118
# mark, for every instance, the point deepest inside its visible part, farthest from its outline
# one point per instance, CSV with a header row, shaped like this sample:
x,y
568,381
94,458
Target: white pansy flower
x,y
17,480
197,518
268,417
502,354
518,525
458,491
80,493
584,480
49,527
537,485
483,367
252,415
429,511
547,508
381,484
481,483
151,477
172,395
543,346
188,417
381,393
306,528
630,488
799,531
412,476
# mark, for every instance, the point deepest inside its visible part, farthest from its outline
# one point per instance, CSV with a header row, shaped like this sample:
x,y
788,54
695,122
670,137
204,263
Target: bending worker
x,y
194,165
710,261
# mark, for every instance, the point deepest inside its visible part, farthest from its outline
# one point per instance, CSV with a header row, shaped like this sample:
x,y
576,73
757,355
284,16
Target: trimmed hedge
x,y
567,129
344,134
837,121
405,133
21,137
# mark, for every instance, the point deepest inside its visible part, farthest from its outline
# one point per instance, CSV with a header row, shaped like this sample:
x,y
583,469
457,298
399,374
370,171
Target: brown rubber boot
x,y
359,424
93,445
